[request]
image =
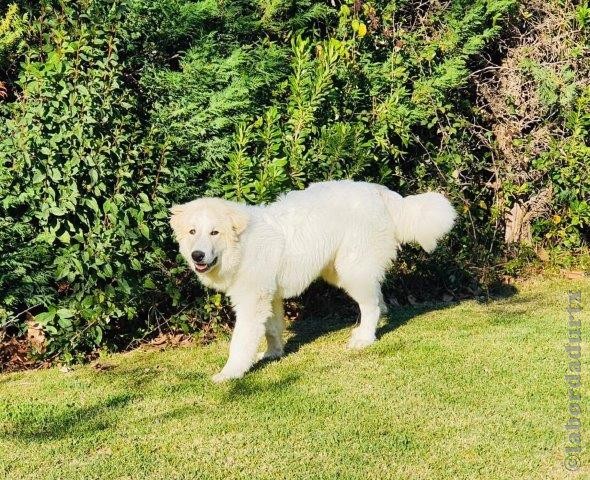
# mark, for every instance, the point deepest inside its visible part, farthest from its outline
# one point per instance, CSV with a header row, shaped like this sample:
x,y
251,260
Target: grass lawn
x,y
460,391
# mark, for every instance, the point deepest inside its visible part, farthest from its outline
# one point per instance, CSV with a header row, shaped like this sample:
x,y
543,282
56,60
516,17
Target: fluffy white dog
x,y
345,232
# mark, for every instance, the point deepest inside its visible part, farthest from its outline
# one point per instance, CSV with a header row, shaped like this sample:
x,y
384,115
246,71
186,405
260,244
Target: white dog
x,y
345,232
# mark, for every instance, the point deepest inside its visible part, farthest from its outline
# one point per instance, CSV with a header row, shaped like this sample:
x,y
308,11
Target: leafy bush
x,y
537,105
82,209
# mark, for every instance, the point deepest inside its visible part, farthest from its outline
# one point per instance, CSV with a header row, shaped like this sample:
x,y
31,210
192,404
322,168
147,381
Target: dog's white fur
x,y
345,232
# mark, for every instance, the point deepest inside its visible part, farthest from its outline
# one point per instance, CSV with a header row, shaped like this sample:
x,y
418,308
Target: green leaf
x,y
44,318
47,237
65,237
93,204
65,313
57,211
64,322
145,231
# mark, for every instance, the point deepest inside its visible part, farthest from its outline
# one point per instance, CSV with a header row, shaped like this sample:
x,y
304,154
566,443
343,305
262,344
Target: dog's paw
x,y
270,355
358,340
225,376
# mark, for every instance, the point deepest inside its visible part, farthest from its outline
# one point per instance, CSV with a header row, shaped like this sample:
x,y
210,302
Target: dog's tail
x,y
423,218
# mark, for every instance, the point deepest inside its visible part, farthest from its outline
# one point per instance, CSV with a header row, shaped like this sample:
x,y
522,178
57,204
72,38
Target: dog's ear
x,y
175,212
176,209
239,219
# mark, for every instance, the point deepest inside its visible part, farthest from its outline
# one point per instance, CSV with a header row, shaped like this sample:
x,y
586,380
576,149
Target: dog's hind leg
x,y
366,291
275,326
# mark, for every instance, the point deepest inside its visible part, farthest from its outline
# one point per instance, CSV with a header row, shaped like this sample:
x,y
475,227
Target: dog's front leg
x,y
251,316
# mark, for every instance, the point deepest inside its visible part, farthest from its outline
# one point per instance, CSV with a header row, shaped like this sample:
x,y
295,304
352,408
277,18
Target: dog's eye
x,y
214,232
192,231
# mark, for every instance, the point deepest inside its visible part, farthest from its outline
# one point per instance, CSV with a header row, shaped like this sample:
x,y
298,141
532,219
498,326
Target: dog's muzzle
x,y
202,267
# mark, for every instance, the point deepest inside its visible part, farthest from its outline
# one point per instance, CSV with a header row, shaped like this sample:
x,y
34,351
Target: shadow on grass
x,y
330,310
33,422
249,386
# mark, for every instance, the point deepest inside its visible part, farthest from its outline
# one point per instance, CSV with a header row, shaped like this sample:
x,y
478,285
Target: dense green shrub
x,y
537,106
110,111
82,208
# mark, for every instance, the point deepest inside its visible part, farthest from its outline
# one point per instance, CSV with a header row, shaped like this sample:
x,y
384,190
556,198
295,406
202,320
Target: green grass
x,y
468,390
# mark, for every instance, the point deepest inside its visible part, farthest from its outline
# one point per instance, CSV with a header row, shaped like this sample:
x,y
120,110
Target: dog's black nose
x,y
198,255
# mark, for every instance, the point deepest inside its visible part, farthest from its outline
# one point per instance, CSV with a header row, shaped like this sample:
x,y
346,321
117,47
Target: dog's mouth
x,y
202,267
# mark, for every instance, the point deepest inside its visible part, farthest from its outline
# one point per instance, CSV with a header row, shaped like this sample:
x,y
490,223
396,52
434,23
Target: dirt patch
x,y
15,354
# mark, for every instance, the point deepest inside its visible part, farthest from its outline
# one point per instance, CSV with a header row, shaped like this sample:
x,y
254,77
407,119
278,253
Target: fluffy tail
x,y
423,218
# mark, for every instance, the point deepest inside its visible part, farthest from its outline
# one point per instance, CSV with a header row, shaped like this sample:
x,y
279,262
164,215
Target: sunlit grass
x,y
469,390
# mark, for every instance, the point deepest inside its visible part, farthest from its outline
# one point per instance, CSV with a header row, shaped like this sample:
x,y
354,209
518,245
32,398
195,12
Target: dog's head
x,y
206,229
